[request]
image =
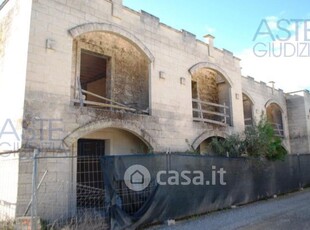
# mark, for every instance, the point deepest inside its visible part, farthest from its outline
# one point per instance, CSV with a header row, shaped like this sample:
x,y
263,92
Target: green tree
x,y
258,141
232,146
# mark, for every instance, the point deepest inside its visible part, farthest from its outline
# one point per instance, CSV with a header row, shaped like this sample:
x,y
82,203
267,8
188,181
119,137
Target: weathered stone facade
x,y
298,110
147,66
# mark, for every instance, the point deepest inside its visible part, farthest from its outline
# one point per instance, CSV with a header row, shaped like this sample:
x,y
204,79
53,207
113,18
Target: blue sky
x,y
234,24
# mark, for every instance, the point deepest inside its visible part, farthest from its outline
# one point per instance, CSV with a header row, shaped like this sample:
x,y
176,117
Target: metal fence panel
x,y
92,193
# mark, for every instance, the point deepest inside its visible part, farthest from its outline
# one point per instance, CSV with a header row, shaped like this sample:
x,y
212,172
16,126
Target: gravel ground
x,y
286,212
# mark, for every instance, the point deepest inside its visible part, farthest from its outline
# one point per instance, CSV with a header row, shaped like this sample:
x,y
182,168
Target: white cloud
x,y
209,29
272,22
291,27
289,73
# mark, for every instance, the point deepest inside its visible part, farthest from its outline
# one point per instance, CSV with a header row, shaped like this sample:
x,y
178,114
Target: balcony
x,y
100,101
112,73
211,97
209,112
275,118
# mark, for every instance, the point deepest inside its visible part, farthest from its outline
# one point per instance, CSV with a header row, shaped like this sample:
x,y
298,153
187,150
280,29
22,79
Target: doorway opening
x,y
89,180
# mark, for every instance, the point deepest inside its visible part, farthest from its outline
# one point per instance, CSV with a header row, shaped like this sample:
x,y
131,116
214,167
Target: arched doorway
x,y
91,148
274,117
205,147
247,110
118,141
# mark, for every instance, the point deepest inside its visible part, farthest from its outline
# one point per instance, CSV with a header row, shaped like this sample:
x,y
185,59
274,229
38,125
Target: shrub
x,y
257,141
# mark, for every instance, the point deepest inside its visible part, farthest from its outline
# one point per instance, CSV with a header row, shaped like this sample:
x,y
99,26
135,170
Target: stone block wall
x,y
170,51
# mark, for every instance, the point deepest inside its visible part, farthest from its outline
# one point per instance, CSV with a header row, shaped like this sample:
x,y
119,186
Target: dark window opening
x,y
274,117
194,90
247,111
90,185
93,75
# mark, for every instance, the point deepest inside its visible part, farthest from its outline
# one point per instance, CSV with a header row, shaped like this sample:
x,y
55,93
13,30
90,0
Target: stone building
x,y
95,77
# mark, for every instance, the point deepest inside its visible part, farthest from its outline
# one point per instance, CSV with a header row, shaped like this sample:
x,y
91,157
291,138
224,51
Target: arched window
x,y
211,100
111,72
274,117
247,110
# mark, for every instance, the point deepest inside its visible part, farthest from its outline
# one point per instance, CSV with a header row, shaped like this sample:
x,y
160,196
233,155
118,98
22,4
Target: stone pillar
x,y
210,41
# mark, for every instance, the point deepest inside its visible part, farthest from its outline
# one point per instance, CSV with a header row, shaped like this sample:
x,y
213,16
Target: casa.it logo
x,y
137,178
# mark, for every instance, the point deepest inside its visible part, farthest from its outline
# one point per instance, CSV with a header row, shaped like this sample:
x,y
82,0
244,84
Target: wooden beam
x,y
105,105
209,121
210,112
210,103
104,98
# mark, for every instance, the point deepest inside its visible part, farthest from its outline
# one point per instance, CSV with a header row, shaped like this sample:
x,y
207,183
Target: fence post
x,y
34,191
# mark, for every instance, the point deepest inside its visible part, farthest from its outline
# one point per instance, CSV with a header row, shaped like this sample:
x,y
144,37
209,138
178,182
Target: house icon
x,y
137,177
